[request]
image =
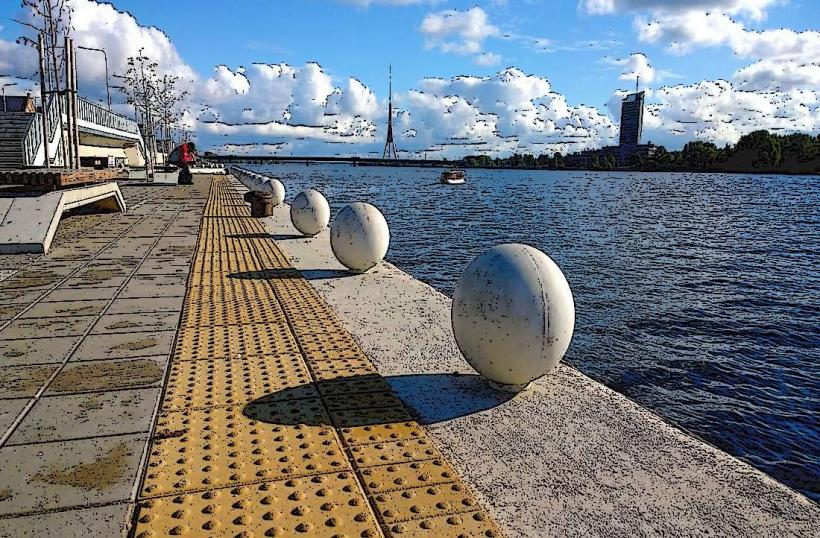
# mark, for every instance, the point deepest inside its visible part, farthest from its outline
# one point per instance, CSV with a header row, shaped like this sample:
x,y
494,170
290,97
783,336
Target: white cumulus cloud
x,y
460,32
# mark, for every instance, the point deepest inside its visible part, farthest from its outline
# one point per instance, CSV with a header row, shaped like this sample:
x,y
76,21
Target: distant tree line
x,y
758,151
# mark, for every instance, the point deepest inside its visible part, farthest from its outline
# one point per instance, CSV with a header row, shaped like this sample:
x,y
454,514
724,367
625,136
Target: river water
x,y
697,295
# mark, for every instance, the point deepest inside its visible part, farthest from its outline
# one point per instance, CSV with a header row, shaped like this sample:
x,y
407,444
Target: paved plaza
x,y
167,372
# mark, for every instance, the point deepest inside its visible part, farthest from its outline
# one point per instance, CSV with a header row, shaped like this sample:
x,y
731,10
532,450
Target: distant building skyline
x,y
631,120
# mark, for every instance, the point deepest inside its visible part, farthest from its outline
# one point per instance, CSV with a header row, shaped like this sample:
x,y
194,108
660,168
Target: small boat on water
x,y
453,177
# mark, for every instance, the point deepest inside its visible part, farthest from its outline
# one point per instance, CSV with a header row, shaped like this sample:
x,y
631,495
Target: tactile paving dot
x,y
466,525
327,505
233,340
345,386
230,292
232,313
329,359
218,447
333,370
378,433
403,451
400,476
220,382
361,401
423,502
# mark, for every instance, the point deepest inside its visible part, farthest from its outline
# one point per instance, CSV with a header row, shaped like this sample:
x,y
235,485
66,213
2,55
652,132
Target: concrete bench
x,y
28,223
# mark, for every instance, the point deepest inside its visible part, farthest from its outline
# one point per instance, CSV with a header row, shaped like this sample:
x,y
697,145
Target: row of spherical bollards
x,y
360,236
512,314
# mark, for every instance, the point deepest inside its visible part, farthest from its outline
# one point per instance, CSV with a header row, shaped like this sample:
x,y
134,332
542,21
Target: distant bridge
x,y
354,161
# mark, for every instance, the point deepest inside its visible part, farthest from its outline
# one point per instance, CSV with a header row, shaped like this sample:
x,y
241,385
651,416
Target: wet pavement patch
x,y
136,345
106,471
23,381
118,345
35,350
107,375
75,416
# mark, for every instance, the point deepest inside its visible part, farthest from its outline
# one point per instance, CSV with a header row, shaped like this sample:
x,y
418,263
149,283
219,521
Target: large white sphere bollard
x,y
513,315
359,237
273,187
310,212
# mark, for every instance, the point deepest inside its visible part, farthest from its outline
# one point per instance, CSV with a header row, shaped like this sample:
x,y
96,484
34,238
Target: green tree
x,y
763,146
699,154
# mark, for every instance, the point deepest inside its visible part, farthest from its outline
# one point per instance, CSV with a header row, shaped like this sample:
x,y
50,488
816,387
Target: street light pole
x,y
105,57
5,109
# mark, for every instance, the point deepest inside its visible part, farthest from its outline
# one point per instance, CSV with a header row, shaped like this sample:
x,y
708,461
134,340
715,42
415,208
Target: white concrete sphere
x,y
252,182
310,212
513,315
273,187
359,237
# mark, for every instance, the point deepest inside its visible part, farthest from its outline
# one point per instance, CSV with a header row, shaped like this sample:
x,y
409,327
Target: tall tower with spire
x,y
390,151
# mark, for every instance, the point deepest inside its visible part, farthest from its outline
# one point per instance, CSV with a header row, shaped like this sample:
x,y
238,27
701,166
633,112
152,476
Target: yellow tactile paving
x,y
231,313
274,422
234,341
322,505
214,382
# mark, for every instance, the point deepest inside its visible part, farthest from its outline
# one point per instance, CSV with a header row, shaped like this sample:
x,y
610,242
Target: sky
x,y
309,77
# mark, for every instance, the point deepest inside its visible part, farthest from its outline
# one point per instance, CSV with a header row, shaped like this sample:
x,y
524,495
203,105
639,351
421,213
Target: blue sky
x,y
583,49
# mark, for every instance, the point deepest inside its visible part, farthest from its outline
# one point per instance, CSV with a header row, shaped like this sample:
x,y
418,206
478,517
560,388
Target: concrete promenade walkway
x,y
272,421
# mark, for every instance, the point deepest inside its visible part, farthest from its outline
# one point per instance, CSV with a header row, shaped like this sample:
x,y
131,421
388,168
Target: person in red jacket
x,y
184,156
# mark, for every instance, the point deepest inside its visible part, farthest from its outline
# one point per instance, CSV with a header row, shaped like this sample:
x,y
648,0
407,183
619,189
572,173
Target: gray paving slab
x,y
188,241
165,266
154,286
74,416
128,247
106,521
44,268
146,304
111,281
40,327
23,381
117,346
9,409
95,293
68,474
65,309
21,296
35,350
9,310
28,283
114,374
128,323
73,252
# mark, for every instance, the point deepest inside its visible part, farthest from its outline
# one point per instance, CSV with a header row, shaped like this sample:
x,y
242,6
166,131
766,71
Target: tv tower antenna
x,y
637,83
390,151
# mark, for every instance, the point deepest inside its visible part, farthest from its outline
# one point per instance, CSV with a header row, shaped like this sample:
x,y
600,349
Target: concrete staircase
x,y
13,129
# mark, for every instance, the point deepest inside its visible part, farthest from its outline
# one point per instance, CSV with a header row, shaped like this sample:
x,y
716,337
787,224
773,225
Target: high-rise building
x,y
631,120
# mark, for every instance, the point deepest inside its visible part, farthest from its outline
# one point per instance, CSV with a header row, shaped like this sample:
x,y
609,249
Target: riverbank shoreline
x,y
566,457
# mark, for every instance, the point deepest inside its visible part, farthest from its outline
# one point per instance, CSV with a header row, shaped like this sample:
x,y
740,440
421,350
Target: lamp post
x,y
4,94
105,57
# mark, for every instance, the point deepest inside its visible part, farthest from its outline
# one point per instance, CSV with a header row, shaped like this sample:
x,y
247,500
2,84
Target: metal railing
x,y
33,140
34,134
99,115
